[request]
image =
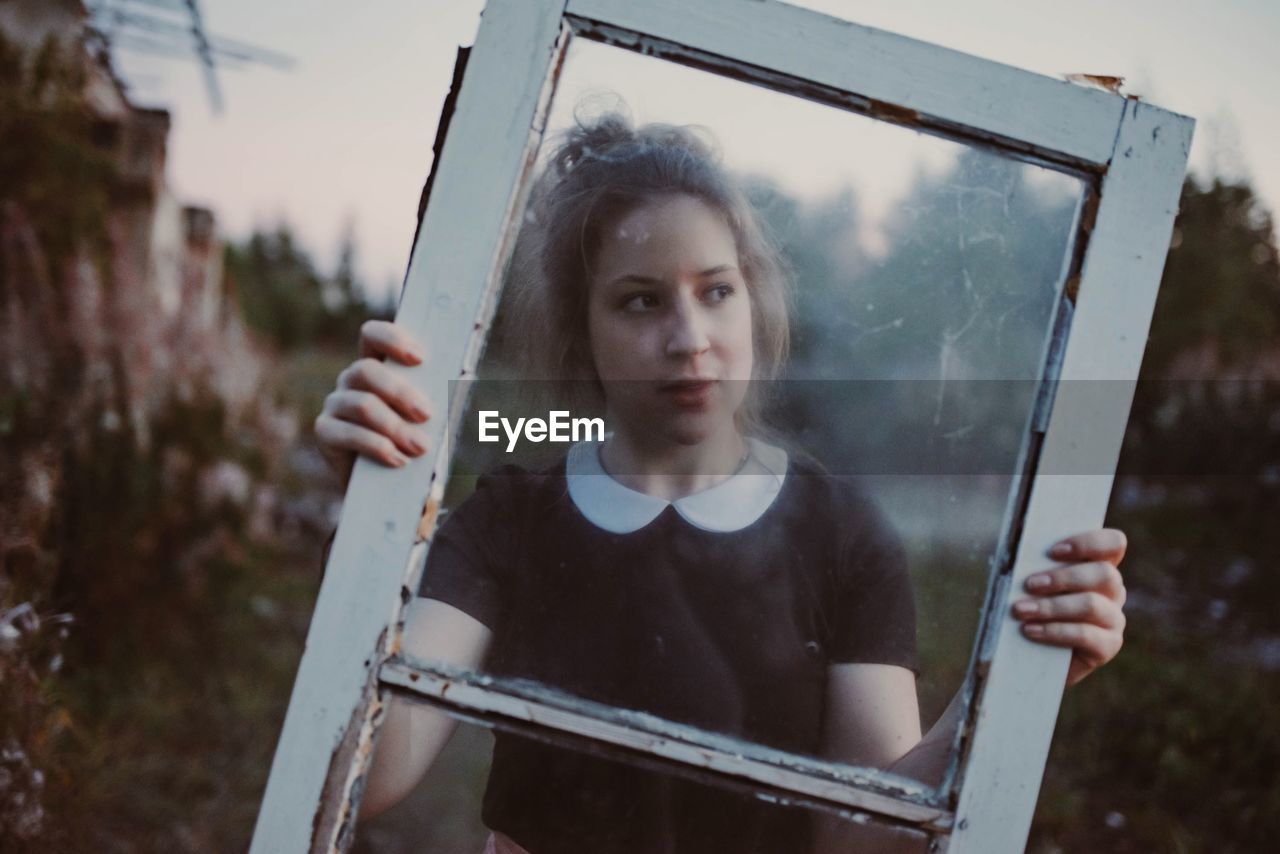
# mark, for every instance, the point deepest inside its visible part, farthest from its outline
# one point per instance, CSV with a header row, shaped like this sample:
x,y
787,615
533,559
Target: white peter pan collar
x,y
730,505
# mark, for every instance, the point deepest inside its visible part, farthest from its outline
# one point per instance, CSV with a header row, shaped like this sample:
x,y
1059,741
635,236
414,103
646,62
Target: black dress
x,y
728,630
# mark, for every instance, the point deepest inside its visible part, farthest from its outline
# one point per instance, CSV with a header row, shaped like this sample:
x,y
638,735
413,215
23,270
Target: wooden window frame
x,y
1132,155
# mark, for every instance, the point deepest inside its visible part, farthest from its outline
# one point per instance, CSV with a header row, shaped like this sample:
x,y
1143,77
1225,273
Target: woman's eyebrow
x,y
637,279
715,271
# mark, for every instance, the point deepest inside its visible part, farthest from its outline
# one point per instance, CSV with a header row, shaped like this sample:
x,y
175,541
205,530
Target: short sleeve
x,y
875,614
469,553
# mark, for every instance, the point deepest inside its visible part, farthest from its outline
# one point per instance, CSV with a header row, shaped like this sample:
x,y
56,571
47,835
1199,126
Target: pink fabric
x,y
499,843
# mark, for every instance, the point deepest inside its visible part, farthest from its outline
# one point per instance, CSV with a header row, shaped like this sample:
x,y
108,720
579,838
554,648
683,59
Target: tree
x,y
287,301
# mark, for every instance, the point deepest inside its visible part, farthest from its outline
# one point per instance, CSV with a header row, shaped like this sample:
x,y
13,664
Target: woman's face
x,y
669,319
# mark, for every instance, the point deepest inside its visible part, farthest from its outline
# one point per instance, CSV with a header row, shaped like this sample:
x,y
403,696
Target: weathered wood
x,y
1019,702
325,745
906,80
857,788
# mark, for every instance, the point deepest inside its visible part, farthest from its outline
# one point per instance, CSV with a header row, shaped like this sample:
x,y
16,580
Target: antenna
x,y
174,29
206,55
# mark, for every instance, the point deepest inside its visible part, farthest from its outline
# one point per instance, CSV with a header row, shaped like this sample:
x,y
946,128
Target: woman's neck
x,y
670,470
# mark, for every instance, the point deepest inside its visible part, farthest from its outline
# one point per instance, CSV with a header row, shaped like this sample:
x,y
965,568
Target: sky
x,y
343,139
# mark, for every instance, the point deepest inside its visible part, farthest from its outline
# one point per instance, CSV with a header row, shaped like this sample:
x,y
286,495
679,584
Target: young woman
x,y
684,566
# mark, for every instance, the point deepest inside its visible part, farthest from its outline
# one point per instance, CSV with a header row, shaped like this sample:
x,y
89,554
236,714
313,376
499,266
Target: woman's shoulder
x,y
512,484
815,479
517,473
835,501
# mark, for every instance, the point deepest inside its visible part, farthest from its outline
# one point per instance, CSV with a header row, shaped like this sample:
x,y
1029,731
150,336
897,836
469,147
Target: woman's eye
x,y
640,302
720,292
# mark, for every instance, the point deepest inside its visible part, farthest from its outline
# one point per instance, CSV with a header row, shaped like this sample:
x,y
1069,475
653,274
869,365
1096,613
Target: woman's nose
x,y
688,335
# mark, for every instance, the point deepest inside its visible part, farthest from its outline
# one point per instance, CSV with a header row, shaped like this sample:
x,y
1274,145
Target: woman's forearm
x,y
927,761
413,734
411,737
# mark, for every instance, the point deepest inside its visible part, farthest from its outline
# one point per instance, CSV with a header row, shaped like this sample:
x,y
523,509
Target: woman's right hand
x,y
373,409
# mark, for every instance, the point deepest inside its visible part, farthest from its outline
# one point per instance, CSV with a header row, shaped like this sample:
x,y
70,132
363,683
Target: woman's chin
x,y
668,425
691,429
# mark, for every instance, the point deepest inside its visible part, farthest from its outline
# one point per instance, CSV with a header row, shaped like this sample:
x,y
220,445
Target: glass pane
x,y
759,544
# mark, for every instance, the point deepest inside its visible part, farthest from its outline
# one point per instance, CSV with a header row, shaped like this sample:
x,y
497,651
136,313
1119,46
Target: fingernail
x,y
1062,550
1038,582
416,353
1026,608
420,413
418,444
1034,629
399,460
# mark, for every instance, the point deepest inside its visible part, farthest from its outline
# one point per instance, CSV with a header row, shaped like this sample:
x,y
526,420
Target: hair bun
x,y
593,138
610,137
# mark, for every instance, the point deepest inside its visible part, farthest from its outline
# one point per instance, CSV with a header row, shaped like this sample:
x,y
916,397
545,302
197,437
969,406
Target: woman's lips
x,y
689,394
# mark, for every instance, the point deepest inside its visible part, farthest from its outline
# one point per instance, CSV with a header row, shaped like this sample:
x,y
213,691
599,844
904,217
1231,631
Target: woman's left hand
x,y
1079,605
